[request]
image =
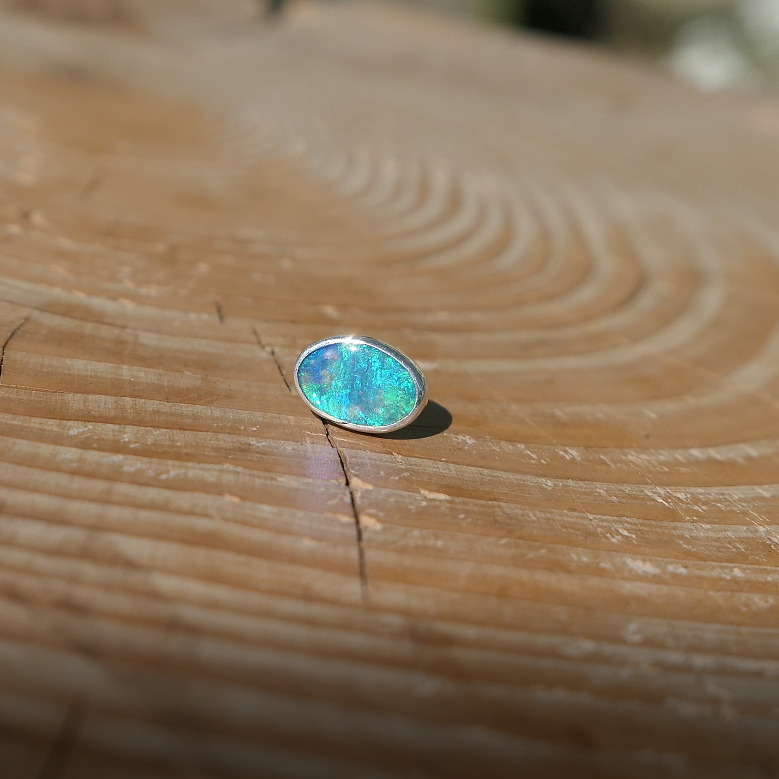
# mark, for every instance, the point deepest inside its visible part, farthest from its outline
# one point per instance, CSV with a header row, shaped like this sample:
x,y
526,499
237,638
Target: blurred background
x,y
714,44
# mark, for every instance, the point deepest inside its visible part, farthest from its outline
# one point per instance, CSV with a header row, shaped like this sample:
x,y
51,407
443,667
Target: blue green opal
x,y
357,384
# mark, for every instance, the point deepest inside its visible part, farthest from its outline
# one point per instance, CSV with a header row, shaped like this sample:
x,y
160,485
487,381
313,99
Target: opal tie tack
x,y
360,383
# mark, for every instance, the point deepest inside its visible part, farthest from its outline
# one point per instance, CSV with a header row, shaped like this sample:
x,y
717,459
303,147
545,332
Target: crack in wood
x,y
95,180
272,352
219,312
61,749
363,568
363,571
8,341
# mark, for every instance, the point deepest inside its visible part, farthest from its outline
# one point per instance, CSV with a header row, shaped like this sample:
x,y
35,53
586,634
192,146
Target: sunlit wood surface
x,y
569,568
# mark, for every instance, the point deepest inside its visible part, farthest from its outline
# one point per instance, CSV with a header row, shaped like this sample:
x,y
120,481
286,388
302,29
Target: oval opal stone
x,y
356,383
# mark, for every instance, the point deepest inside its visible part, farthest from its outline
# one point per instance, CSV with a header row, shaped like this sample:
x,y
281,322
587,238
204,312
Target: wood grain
x,y
568,568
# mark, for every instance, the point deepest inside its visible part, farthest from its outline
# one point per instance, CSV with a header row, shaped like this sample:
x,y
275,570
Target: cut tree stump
x,y
569,567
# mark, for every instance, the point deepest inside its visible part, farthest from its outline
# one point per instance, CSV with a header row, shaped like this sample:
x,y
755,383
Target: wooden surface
x,y
569,568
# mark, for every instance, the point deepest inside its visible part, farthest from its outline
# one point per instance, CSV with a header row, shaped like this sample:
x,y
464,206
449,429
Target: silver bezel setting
x,y
420,384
